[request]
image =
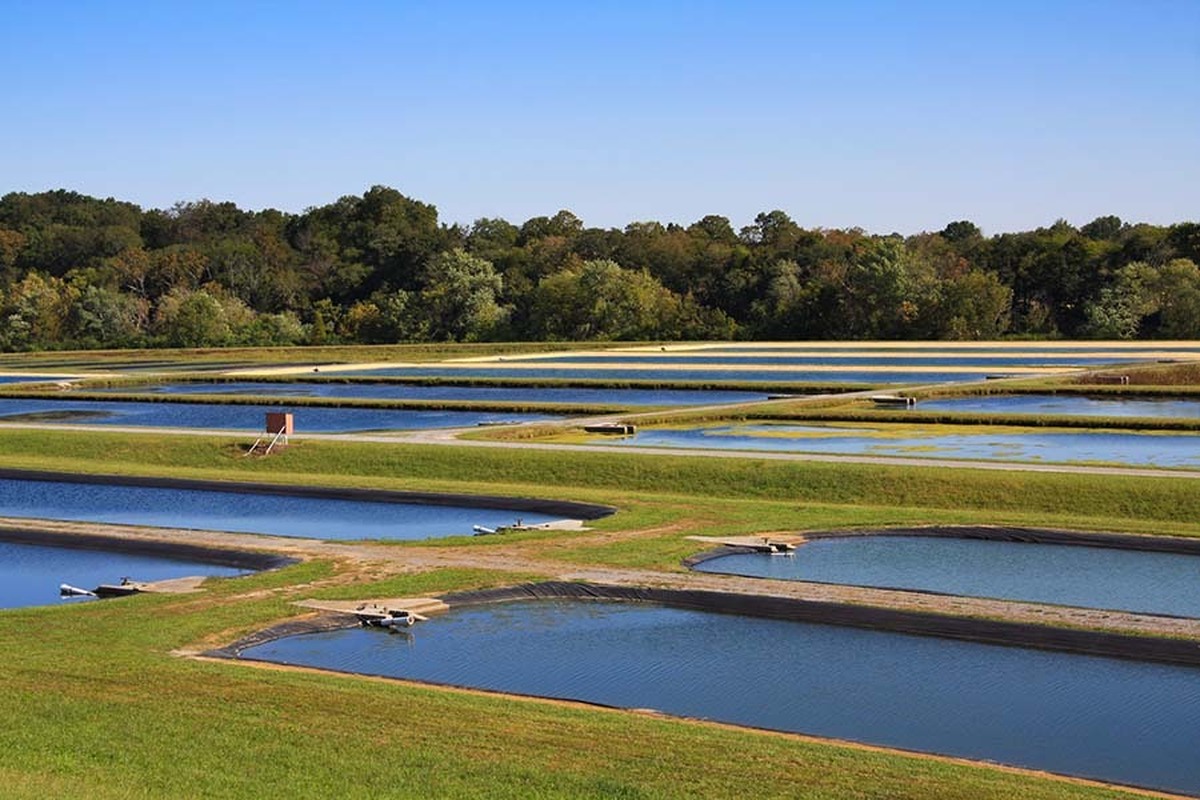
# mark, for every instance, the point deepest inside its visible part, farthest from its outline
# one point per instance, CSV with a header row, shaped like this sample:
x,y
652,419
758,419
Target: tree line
x,y
84,272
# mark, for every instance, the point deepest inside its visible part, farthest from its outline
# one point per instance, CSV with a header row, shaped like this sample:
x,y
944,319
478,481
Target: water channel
x,y
1094,577
503,394
1104,718
277,514
1150,449
772,375
1065,405
309,419
31,574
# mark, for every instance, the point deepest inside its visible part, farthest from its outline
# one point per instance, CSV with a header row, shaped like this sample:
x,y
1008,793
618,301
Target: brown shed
x,y
280,422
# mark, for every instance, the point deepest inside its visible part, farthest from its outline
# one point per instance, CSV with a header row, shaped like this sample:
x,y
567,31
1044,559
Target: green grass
x,y
95,705
607,477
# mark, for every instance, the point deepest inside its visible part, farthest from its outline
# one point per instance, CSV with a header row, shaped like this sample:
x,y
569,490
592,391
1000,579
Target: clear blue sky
x,y
890,116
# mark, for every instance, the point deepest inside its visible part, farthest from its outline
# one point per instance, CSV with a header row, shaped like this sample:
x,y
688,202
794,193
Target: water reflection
x,y
1135,449
281,515
1156,583
1065,405
247,417
1103,718
31,574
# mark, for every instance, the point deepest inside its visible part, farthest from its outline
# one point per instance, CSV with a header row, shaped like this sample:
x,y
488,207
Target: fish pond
x,y
1095,577
1065,405
249,512
722,373
1146,449
1115,720
309,419
503,394
31,574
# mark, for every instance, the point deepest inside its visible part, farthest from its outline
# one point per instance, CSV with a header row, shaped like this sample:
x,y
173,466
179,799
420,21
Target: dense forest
x,y
81,272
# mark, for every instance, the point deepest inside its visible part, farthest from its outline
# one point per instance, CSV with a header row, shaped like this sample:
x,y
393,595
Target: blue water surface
x,y
31,574
1156,583
247,417
772,376
506,394
280,515
1102,718
1065,405
1132,449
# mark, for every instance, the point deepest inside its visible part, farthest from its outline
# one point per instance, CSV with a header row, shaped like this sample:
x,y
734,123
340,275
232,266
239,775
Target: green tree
x,y
460,297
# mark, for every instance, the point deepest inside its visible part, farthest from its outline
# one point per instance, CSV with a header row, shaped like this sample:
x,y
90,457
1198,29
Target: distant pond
x,y
505,394
31,574
1095,577
276,514
246,417
934,442
1065,405
1102,718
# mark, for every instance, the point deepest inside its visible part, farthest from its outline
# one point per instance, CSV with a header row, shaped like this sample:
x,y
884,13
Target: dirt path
x,y
362,561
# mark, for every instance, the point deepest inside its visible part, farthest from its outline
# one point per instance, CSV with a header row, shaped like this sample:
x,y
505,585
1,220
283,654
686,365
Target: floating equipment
x,y
893,400
393,618
483,530
67,590
612,428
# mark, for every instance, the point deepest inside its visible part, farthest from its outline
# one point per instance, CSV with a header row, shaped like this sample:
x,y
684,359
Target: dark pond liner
x,y
205,554
555,508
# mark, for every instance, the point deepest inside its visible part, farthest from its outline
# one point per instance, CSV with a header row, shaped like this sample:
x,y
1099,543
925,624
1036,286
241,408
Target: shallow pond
x,y
505,394
1104,718
246,417
899,360
649,373
1065,405
280,515
1156,583
1133,449
30,574
25,378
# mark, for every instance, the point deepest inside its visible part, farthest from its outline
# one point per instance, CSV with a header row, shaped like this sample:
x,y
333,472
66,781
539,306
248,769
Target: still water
x,y
1103,718
25,378
1133,449
30,574
493,394
1065,405
713,374
1095,577
246,417
999,361
280,515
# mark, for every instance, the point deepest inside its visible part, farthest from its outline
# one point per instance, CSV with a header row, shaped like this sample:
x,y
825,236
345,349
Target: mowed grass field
x,y
101,700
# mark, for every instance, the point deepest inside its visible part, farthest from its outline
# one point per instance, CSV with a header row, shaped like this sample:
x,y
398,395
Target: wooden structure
x,y
280,425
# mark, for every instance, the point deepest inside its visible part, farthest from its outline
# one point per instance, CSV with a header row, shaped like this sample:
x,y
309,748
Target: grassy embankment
x,y
98,706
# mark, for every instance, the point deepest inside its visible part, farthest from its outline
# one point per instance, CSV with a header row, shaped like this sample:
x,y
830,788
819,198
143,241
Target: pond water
x,y
1132,449
280,515
505,394
246,417
649,373
25,378
1095,577
1102,718
30,574
1147,351
1065,405
851,359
